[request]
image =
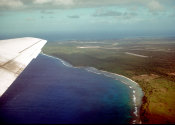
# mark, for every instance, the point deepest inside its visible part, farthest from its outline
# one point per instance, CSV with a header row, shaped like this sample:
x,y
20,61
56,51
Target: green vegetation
x,y
155,73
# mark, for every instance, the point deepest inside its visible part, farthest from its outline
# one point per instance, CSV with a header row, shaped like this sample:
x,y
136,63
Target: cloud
x,y
29,19
74,16
110,13
47,12
152,5
11,4
155,6
54,2
64,2
41,1
107,13
129,15
83,3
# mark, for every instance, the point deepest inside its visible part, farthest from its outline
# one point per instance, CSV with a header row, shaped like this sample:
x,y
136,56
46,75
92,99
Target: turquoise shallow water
x,y
50,92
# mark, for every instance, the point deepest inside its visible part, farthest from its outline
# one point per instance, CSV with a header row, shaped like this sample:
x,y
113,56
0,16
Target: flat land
x,y
149,62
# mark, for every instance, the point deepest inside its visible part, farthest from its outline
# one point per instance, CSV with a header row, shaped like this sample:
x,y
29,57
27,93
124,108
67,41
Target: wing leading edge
x,y
15,55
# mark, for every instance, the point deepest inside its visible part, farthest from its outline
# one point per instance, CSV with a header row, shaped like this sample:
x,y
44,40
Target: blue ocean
x,y
50,92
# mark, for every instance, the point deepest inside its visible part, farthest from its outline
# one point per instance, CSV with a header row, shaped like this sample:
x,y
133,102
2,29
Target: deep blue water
x,y
50,92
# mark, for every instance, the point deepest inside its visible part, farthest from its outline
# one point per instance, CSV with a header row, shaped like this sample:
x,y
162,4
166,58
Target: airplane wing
x,y
15,55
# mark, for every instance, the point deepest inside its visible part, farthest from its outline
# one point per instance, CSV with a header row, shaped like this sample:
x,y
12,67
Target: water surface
x,y
50,92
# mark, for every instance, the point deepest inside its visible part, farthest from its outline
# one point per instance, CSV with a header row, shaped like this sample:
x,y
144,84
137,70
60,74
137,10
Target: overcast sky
x,y
44,16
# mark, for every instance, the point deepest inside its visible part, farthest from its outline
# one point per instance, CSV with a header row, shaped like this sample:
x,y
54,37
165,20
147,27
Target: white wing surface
x,y
15,55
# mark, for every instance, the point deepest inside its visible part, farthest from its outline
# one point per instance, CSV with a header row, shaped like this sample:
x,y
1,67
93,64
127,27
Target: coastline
x,y
137,93
136,89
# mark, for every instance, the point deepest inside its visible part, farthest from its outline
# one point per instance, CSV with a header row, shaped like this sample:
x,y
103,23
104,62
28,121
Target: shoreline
x,y
137,93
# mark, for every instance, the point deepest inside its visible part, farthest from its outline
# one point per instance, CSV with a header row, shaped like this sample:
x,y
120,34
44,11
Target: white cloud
x,y
74,16
54,2
155,6
152,5
106,13
41,1
11,3
64,2
115,13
